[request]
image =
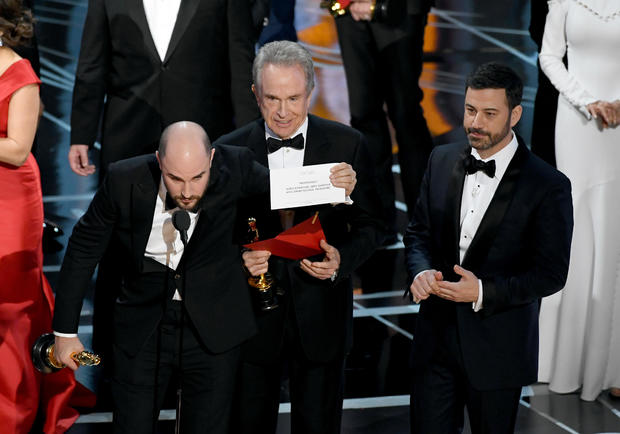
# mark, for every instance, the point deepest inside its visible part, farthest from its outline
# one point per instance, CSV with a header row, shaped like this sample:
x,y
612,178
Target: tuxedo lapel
x,y
143,198
452,220
186,13
258,144
137,13
477,251
202,226
316,145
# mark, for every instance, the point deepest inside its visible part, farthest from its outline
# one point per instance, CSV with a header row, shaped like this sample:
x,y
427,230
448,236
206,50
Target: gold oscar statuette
x,y
267,299
45,360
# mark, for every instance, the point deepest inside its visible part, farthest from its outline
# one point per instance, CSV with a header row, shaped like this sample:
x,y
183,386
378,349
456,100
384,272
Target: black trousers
x,y
315,389
441,391
388,75
139,383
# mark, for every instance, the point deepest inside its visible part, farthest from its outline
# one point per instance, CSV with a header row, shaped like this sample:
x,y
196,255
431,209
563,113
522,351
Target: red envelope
x,y
298,242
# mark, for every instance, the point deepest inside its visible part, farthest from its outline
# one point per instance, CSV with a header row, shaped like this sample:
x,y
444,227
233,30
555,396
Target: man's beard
x,y
199,200
490,141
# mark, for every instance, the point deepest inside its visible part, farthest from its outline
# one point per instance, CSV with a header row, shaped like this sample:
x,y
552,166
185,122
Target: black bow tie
x,y
472,165
296,142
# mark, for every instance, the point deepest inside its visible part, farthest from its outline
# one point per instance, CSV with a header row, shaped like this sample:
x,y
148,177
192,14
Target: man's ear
x,y
515,115
309,101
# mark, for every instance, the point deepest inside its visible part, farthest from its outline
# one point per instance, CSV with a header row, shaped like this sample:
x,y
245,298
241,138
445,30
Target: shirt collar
x,y
502,158
303,130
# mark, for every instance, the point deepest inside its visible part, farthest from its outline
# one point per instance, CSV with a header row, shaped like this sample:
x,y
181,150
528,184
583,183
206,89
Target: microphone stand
x,y
177,426
181,222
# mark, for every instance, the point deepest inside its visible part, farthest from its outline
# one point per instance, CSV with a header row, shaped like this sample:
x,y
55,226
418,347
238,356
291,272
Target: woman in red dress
x,y
26,299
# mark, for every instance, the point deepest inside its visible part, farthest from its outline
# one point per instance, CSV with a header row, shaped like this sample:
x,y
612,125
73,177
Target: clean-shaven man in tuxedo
x,y
311,328
490,236
198,291
145,64
383,62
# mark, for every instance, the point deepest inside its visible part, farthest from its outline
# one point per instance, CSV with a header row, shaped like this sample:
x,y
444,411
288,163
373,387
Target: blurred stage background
x,y
460,35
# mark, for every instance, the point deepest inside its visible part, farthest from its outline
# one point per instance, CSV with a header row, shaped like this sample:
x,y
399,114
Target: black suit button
x,y
177,276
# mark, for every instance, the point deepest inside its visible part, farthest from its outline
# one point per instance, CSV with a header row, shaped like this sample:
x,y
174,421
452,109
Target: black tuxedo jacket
x,y
520,252
216,296
385,33
208,64
323,309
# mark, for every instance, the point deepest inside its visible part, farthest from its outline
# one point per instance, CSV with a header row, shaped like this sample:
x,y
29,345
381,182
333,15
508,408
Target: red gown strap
x,y
18,75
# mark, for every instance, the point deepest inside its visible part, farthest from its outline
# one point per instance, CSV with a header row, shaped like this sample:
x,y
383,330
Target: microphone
x,y
180,221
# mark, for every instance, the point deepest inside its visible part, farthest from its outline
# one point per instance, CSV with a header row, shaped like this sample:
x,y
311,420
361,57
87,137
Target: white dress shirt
x,y
164,244
478,191
161,16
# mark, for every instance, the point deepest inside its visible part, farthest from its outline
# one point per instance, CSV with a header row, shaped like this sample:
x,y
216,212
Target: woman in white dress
x,y
580,326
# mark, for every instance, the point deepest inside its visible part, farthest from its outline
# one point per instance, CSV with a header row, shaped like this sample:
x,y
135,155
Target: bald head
x,y
185,156
185,136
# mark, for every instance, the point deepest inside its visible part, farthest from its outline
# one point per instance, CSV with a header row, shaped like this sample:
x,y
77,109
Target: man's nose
x,y
477,121
186,191
282,109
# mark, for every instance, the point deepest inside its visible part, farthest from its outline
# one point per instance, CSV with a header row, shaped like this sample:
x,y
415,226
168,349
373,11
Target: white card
x,y
303,186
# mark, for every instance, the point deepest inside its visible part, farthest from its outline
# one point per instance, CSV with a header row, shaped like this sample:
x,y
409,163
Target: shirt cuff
x,y
584,107
477,305
347,201
416,276
65,335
